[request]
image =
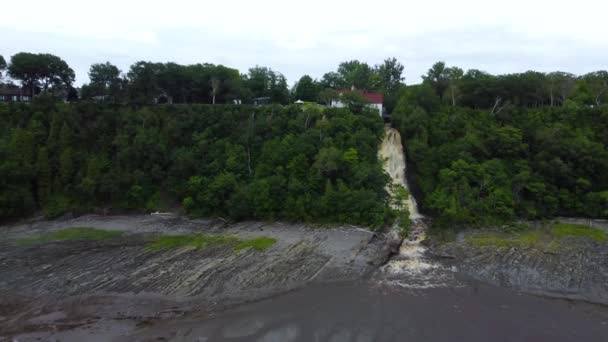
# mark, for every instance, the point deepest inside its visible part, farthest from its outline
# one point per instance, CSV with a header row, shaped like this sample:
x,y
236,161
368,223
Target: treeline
x,y
514,157
481,90
275,162
148,83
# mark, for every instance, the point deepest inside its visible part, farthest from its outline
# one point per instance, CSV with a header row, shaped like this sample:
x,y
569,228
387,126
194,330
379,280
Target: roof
x,y
375,98
9,89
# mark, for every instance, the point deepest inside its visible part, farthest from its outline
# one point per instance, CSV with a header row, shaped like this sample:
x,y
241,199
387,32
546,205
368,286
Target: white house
x,y
375,100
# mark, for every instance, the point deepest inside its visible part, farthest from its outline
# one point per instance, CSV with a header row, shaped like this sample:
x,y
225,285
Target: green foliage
x,y
259,244
57,205
478,167
577,230
74,233
529,239
41,71
549,238
202,241
2,66
399,199
238,162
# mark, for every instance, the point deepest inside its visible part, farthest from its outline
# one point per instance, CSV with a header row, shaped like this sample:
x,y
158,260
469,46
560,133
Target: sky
x,y
312,37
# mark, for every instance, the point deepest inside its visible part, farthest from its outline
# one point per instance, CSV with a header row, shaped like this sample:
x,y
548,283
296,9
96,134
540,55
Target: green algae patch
x,y
548,238
259,244
578,230
201,241
74,233
531,239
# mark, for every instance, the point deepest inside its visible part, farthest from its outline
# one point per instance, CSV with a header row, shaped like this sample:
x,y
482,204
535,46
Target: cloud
x,y
312,37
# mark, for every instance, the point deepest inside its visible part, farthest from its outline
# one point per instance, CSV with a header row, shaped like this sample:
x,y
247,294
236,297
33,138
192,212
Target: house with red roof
x,y
375,100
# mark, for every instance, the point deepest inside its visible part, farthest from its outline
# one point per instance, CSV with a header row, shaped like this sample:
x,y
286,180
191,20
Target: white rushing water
x,y
410,268
391,150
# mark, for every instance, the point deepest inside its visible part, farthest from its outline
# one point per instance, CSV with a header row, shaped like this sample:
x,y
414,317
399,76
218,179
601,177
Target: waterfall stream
x,y
410,268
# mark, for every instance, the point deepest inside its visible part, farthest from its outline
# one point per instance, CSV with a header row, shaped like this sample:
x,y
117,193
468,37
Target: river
x,y
372,311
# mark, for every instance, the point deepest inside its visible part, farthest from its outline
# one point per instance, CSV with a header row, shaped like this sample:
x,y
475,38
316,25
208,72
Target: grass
x,y
74,233
259,244
548,238
577,230
499,239
203,241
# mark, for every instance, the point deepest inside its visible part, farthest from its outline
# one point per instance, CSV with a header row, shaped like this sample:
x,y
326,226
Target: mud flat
x,y
120,282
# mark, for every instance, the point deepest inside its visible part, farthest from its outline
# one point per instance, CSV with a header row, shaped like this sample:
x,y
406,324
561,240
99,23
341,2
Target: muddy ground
x,y
84,288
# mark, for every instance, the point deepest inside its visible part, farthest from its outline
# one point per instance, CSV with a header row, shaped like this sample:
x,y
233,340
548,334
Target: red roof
x,y
375,98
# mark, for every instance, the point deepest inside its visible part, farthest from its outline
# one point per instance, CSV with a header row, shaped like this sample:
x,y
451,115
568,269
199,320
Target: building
x,y
375,100
260,101
12,93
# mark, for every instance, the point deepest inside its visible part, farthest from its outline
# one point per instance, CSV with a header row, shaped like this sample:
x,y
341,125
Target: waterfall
x,y
391,150
410,267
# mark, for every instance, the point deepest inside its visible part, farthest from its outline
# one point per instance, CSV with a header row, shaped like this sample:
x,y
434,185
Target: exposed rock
x,y
578,269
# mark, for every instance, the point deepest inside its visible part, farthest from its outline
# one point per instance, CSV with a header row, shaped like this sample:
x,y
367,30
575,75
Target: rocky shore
x,y
122,276
576,269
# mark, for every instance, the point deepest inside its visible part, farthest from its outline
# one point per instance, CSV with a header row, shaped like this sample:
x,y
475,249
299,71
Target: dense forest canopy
x,y
236,162
483,148
508,161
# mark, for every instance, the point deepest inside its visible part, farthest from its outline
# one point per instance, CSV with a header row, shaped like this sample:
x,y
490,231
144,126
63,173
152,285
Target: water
x,y
368,311
392,151
410,268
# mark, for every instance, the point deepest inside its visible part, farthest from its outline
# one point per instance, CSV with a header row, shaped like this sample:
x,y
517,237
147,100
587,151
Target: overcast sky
x,y
314,36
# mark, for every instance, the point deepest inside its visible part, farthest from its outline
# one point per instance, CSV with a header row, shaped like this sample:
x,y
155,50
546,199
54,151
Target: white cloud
x,y
314,36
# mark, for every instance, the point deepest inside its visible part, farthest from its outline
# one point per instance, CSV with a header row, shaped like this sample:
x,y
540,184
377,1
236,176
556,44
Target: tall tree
x,y
358,74
328,95
333,80
105,82
144,81
306,89
264,82
43,71
2,66
598,85
454,75
436,77
391,77
560,84
215,87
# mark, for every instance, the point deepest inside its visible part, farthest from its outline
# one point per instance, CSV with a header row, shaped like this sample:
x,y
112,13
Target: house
x,y
12,93
375,100
260,101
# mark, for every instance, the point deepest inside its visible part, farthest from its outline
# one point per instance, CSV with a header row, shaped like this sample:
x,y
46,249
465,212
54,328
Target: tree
x,y
437,77
43,173
454,75
106,82
391,77
561,85
144,82
359,75
598,85
333,80
306,89
264,82
328,95
215,87
41,71
2,66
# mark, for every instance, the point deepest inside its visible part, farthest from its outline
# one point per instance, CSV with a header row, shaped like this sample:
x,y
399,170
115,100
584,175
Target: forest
x,y
233,162
487,149
483,148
